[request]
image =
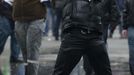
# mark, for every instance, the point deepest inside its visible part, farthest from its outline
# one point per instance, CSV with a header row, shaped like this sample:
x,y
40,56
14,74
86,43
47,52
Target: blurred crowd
x,y
82,26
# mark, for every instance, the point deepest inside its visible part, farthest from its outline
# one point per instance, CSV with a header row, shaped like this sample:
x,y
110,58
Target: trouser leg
x,y
56,27
15,48
99,60
34,37
5,31
131,49
69,55
87,66
29,36
66,61
3,39
21,33
105,32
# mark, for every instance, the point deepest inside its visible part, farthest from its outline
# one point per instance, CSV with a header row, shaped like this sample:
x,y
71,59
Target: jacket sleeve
x,y
59,4
114,13
125,15
109,6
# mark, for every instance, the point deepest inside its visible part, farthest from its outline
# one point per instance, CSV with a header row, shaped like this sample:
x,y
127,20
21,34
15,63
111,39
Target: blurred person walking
x,y
7,29
106,21
58,18
29,26
128,30
49,17
120,6
81,31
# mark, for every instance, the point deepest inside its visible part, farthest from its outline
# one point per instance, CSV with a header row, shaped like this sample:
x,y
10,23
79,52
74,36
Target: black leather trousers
x,y
79,42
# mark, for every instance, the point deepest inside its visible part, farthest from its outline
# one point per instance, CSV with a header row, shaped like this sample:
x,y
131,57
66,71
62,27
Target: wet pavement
x,y
117,49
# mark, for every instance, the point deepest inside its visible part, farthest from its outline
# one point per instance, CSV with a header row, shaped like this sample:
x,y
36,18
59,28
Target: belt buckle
x,y
85,31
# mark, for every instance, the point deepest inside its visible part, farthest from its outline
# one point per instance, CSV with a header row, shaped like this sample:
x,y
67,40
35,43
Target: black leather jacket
x,y
129,14
86,14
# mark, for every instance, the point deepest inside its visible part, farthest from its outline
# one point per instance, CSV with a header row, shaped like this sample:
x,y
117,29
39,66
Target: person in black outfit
x,y
82,35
